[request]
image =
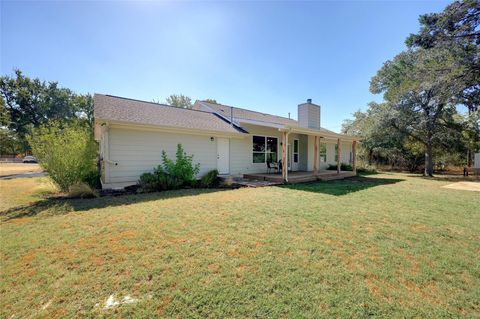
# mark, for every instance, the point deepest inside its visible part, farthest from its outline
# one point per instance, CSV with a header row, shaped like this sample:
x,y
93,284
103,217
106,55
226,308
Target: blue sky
x,y
267,56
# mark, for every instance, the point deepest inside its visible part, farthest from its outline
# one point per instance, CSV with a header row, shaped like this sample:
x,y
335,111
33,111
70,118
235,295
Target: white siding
x,y
139,151
241,150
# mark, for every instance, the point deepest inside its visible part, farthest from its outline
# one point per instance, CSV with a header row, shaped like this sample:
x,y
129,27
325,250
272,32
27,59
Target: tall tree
x,y
179,100
457,29
420,91
212,101
27,103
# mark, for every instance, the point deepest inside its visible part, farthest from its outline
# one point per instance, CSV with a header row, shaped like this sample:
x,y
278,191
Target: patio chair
x,y
272,165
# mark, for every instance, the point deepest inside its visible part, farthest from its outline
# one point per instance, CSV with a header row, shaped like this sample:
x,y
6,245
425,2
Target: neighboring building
x,y
236,141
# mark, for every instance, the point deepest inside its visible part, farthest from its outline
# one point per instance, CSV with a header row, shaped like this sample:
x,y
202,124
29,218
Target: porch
x,y
300,176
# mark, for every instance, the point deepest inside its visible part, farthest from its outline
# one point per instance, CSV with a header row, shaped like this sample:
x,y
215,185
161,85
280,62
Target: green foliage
x,y
66,151
148,182
29,103
210,179
424,84
343,167
212,101
171,174
9,142
179,100
92,179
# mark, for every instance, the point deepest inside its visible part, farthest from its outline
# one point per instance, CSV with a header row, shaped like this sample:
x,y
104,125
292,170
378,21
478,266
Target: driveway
x,y
20,170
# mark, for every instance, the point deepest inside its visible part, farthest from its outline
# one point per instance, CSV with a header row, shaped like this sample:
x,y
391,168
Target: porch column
x,y
284,156
354,157
339,152
315,156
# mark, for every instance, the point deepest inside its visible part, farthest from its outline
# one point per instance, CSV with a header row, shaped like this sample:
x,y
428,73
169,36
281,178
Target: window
x,y
322,150
336,153
264,149
295,151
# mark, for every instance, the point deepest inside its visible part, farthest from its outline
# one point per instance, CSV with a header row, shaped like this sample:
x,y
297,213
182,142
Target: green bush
x,y
66,151
92,179
148,182
343,167
210,179
366,170
171,174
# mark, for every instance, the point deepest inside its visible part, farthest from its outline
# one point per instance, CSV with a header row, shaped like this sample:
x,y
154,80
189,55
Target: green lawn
x,y
389,245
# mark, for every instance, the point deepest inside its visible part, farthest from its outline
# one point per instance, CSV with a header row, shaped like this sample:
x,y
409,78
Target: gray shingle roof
x,y
239,113
114,108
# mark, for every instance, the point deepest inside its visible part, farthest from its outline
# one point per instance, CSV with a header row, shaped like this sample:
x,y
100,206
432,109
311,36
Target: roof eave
x,y
165,128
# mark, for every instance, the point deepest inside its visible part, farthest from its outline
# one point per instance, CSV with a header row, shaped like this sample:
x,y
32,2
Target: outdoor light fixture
x,y
212,138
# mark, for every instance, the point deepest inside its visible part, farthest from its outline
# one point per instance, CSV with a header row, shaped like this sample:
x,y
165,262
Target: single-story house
x,y
132,135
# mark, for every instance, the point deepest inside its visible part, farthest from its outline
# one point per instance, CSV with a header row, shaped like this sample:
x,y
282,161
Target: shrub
x,y
182,170
148,182
92,179
81,190
171,174
210,179
366,170
66,151
343,167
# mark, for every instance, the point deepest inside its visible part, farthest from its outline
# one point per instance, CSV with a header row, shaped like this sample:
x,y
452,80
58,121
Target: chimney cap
x,y
309,101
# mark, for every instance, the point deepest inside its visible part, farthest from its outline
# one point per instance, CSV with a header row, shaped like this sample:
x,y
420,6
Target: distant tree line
x,y
27,104
430,113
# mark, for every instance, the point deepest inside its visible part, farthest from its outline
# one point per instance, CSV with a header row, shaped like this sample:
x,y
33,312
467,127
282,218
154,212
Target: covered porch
x,y
300,176
313,172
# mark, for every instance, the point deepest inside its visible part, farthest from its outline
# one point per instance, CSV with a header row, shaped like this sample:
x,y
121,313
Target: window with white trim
x,y
264,148
295,151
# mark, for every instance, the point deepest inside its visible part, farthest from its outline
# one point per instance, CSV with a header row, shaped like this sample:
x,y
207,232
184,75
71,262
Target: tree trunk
x,y
428,158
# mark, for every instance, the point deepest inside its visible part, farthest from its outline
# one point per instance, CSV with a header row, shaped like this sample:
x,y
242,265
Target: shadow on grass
x,y
343,187
51,207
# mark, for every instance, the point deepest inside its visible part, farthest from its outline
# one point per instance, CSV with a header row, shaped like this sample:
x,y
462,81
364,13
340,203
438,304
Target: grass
x,y
388,245
24,191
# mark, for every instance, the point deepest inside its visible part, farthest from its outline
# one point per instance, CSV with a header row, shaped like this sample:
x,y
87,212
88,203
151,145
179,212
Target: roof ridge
x,y
154,103
241,108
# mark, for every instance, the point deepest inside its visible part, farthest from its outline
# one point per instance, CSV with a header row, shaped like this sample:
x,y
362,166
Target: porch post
x,y
315,156
284,156
354,157
339,152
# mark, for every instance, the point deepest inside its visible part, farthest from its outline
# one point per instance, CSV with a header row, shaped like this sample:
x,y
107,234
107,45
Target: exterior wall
x,y
303,152
241,150
139,151
129,152
346,148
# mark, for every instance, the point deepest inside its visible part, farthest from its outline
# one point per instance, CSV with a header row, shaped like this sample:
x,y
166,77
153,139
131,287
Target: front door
x,y
223,155
295,156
